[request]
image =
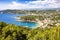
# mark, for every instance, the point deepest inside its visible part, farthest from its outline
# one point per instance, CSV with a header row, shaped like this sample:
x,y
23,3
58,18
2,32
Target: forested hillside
x,y
13,32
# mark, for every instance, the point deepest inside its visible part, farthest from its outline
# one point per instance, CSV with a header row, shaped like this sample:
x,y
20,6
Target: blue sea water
x,y
9,18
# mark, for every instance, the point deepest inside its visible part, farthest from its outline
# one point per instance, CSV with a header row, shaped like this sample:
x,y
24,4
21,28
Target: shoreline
x,y
38,22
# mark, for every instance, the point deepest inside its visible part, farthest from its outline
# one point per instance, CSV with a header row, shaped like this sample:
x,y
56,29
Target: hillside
x,y
13,32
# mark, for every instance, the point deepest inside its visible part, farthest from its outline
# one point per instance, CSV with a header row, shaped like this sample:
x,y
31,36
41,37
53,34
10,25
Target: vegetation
x,y
51,14
31,17
30,11
13,32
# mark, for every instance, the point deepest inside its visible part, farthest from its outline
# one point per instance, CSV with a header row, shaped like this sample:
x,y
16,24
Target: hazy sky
x,y
29,4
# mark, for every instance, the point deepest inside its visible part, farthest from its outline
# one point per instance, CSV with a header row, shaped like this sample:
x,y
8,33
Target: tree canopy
x,y
13,32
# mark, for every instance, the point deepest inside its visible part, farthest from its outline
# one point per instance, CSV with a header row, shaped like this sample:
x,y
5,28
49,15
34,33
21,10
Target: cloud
x,y
31,5
58,1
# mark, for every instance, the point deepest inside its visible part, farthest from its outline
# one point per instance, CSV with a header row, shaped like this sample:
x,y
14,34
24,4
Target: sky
x,y
29,4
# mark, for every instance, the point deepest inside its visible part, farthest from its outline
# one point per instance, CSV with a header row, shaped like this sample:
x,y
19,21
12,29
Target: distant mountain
x,y
32,9
26,11
49,9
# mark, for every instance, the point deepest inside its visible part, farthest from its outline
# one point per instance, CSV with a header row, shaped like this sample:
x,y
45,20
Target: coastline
x,y
38,22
